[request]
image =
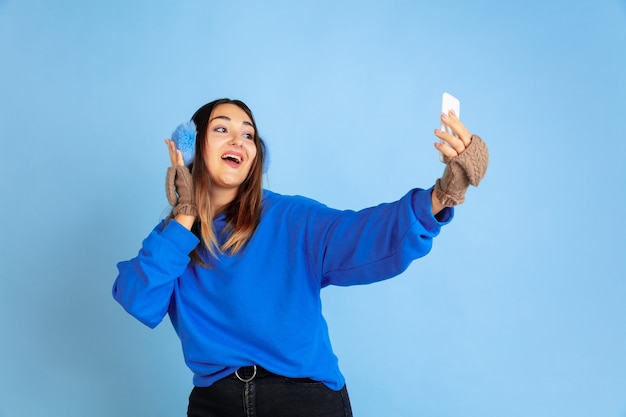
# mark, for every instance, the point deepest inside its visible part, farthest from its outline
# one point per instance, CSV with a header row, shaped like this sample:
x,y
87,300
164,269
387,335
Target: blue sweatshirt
x,y
262,306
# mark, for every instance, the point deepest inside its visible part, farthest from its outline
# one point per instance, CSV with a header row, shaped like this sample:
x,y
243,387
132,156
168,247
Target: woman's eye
x,y
220,129
248,136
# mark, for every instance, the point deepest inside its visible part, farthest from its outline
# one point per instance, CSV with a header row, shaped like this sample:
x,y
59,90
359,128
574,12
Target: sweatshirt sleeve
x,y
380,242
145,283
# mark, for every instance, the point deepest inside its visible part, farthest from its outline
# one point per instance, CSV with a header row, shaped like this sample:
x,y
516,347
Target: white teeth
x,y
232,158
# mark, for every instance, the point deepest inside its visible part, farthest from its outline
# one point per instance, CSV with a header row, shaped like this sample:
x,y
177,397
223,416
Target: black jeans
x,y
255,392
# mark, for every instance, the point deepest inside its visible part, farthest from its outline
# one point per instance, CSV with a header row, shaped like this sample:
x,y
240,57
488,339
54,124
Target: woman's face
x,y
230,148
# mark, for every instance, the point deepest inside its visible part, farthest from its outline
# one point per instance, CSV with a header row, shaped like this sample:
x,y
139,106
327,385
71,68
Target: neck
x,y
222,198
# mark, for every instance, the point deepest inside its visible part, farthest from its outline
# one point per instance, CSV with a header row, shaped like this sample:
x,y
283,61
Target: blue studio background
x,y
518,311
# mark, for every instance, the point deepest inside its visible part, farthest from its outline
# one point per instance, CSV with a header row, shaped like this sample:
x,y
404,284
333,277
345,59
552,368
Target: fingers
x,y
458,128
446,150
176,156
454,144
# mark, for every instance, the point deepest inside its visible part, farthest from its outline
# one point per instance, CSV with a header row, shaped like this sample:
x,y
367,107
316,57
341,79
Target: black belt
x,y
249,373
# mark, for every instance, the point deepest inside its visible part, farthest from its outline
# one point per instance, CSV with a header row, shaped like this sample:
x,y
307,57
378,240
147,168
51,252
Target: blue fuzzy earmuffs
x,y
184,136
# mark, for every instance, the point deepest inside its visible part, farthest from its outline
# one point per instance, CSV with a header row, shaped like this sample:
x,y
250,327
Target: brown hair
x,y
244,212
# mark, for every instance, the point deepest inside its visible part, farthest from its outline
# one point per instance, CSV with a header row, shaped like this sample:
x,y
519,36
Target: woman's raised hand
x,y
176,156
179,187
466,157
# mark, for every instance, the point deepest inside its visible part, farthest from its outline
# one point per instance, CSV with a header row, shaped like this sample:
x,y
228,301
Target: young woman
x,y
239,269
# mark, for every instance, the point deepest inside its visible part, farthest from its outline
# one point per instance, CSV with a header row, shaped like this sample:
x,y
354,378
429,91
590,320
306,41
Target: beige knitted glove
x,y
179,191
461,171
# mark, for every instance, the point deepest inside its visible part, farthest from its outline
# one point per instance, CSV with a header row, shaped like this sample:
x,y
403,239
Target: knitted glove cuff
x,y
448,199
188,209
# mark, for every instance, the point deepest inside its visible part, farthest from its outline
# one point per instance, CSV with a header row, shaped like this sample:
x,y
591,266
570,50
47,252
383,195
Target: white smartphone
x,y
449,102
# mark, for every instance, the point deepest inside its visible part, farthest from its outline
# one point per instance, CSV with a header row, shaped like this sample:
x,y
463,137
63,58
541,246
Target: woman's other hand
x,y
179,188
466,158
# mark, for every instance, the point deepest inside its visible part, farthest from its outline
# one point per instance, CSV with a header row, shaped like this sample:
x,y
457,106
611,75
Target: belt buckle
x,y
246,380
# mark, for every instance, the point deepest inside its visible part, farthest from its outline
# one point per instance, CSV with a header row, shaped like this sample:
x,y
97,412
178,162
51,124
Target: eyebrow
x,y
245,122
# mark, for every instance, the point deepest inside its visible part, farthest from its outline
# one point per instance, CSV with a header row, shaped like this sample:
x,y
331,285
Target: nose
x,y
237,140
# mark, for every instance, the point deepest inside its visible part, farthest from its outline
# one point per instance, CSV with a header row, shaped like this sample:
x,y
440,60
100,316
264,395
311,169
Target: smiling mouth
x,y
231,158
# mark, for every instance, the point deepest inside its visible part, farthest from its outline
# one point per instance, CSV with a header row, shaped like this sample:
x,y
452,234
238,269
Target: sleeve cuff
x,y
423,208
179,236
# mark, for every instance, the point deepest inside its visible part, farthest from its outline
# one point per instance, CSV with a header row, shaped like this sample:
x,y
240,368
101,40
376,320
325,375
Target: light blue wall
x,y
518,311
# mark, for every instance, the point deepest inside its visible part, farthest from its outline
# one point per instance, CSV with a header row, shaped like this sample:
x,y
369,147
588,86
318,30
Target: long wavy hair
x,y
244,212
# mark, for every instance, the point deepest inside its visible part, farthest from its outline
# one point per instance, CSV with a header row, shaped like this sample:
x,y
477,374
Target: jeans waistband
x,y
250,373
